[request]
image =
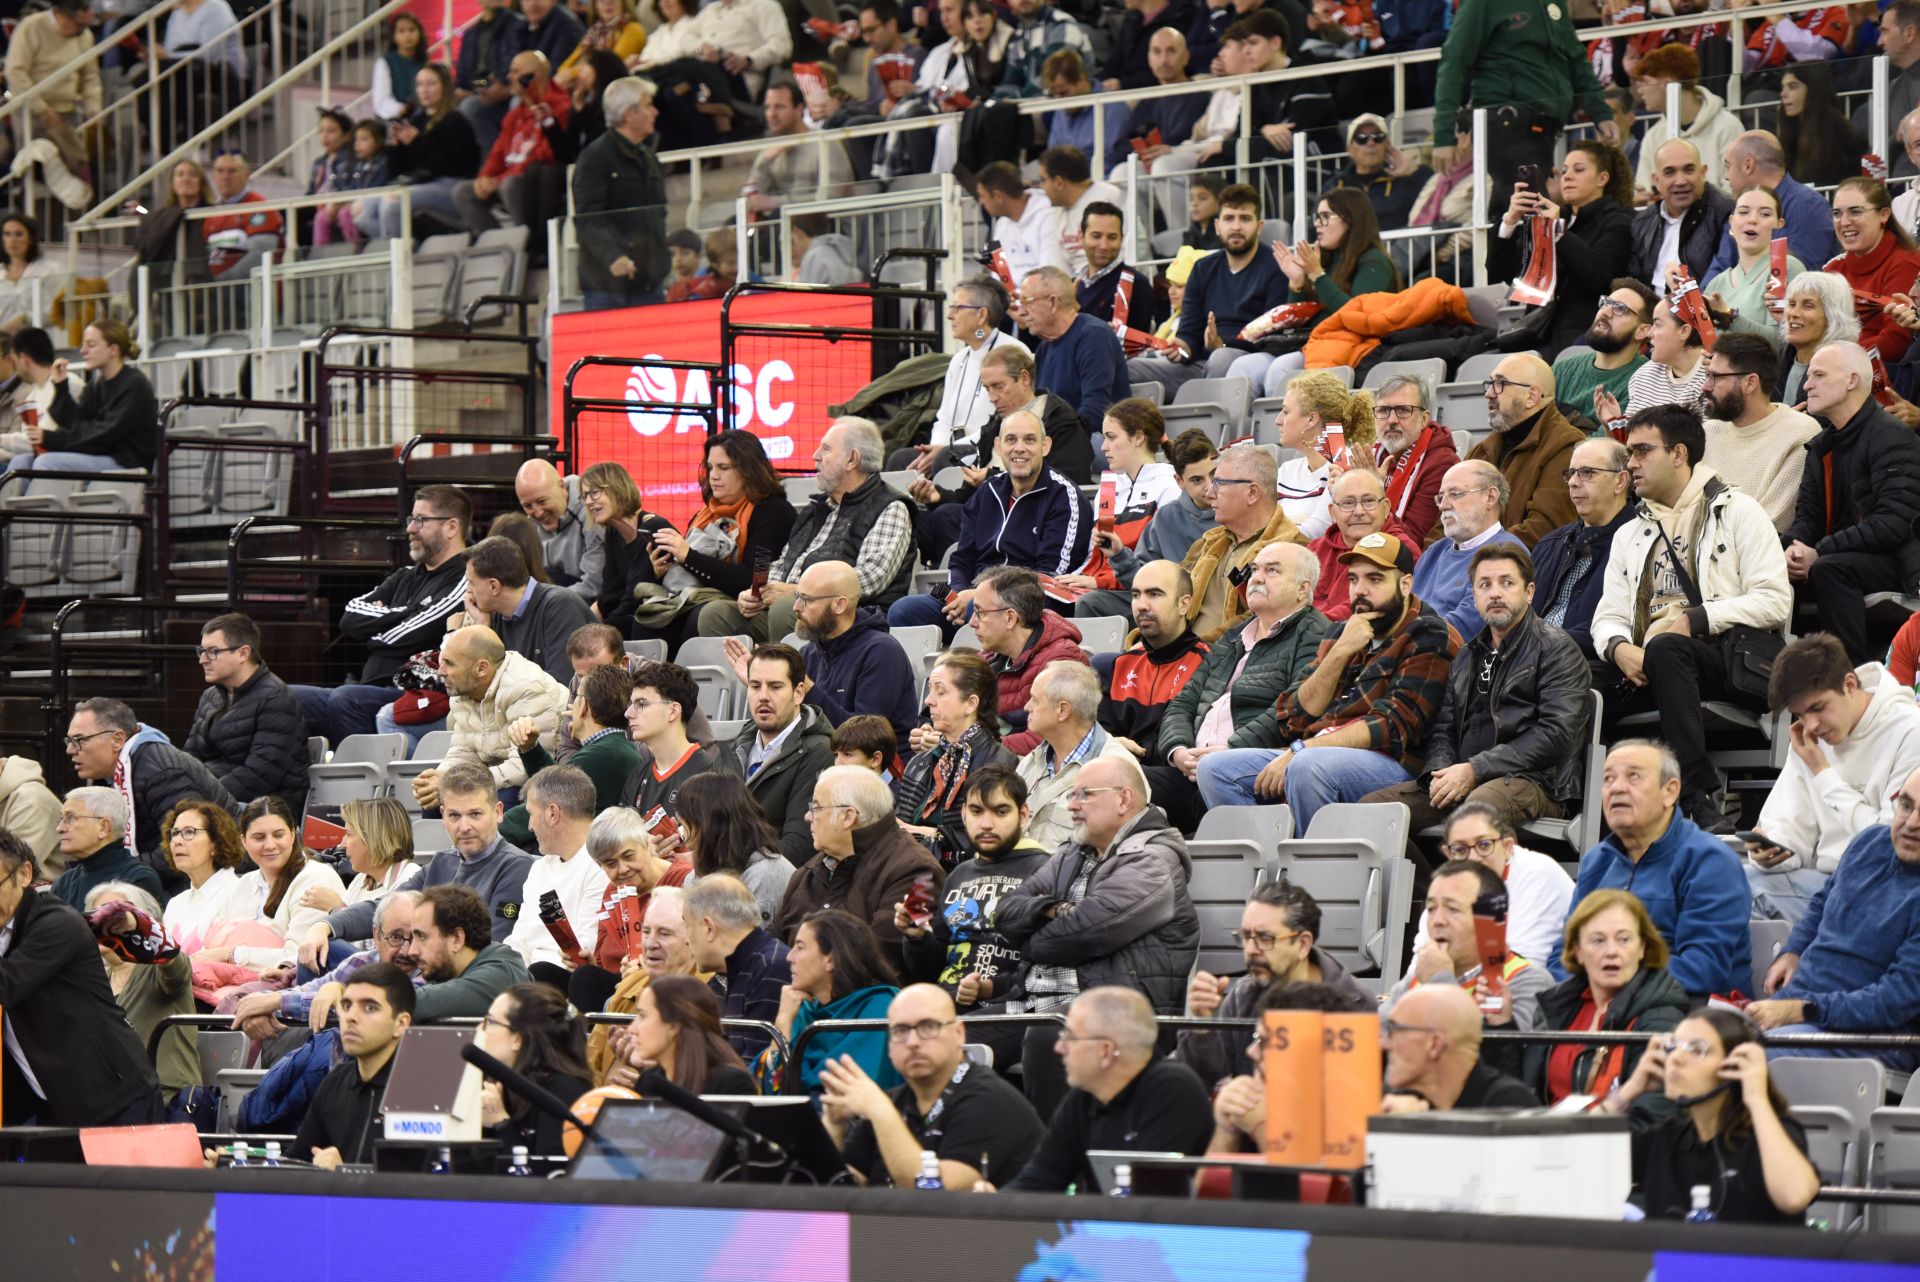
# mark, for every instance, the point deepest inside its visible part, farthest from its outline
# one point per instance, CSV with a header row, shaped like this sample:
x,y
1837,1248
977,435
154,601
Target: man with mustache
x,y
1359,719
1614,350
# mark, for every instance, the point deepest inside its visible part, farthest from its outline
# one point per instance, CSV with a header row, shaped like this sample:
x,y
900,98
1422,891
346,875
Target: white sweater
x,y
193,912
1304,496
1821,813
964,406
360,890
289,920
579,882
1034,241
1539,893
755,29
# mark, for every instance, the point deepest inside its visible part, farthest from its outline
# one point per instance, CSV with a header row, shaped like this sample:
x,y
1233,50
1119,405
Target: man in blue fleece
x,y
1690,882
1029,516
1472,496
1852,965
1079,359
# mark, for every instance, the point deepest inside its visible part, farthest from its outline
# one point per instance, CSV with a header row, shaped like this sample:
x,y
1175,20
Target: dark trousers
x,y
1681,673
1520,800
1042,1074
1515,137
1840,582
1176,794
590,988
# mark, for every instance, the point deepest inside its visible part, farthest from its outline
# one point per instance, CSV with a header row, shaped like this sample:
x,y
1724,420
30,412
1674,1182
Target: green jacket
x,y
1278,663
607,760
493,970
1373,275
1514,53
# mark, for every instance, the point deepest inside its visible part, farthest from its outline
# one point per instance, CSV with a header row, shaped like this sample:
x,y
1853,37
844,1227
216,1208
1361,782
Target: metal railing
x,y
790,1083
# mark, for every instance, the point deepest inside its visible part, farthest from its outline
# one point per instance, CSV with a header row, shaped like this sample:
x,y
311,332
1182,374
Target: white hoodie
x,y
1822,813
1712,129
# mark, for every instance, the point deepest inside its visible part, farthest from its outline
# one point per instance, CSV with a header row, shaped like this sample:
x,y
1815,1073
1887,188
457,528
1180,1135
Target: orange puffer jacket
x,y
1346,337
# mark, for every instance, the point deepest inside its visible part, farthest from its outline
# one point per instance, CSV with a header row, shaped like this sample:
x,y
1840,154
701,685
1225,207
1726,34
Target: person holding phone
x,y
1732,1133
1595,187
524,173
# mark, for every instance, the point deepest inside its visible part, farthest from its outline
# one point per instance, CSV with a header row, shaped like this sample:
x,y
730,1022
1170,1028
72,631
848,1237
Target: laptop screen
x,y
647,1140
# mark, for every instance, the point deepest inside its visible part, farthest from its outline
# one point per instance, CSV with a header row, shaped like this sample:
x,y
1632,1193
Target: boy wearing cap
x,y
1391,178
1358,721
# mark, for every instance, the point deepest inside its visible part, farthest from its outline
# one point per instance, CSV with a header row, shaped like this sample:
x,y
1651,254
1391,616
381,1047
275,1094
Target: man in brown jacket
x,y
863,862
1532,445
1247,516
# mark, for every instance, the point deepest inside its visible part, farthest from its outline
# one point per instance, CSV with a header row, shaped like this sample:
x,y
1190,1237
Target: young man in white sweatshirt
x,y
1855,737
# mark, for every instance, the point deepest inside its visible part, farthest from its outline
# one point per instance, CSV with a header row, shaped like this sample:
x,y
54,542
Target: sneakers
x,y
1709,817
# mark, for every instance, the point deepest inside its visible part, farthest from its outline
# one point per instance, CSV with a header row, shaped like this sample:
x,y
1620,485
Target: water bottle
x,y
442,1162
273,1153
519,1165
1122,1181
929,1178
239,1156
1702,1212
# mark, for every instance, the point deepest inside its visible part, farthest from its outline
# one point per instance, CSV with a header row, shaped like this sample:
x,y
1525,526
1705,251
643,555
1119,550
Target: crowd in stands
x,y
1699,482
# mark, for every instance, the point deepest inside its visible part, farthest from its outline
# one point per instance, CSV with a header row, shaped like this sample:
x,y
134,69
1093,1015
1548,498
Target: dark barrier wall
x,y
95,1224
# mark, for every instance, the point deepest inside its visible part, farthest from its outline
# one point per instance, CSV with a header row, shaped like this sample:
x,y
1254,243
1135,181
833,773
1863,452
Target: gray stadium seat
x,y
1219,406
1836,1146
1768,938
652,648
429,839
801,489
1893,1162
358,769
705,659
1106,634
1352,861
1224,874
1432,369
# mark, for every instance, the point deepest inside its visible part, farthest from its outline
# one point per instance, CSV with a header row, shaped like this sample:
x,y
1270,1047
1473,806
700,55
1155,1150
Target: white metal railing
x,y
264,102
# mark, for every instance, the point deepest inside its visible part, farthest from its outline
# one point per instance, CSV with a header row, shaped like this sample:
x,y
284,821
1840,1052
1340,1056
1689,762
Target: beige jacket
x,y
31,811
521,688
1051,823
37,50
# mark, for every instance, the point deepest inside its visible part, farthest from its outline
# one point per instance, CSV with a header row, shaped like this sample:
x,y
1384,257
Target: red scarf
x,y
1405,468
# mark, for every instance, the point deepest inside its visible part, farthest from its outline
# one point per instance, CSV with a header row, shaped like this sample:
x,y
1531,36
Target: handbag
x,y
1746,652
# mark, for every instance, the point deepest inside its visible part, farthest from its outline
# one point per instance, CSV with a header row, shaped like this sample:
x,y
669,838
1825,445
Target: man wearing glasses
x,y
1391,178
1360,508
1413,453
93,825
248,727
1531,443
1432,1044
1698,559
1570,564
1109,907
1247,517
863,863
1757,444
313,1002
108,744
406,614
1471,498
969,1117
1613,351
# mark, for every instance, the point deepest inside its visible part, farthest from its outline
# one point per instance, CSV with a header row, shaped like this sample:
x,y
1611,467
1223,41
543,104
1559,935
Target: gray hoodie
x,y
496,874
829,260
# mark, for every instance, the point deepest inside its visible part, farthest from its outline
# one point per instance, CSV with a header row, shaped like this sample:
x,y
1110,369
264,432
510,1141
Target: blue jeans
x,y
921,610
1315,777
383,723
1783,896
434,198
339,711
1900,1061
61,461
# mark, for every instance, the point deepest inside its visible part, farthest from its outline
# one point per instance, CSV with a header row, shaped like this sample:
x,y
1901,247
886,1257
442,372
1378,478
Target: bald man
x,y
524,174
1531,443
968,1117
490,688
574,547
1852,531
1685,225
1141,682
854,663
1433,1057
1756,159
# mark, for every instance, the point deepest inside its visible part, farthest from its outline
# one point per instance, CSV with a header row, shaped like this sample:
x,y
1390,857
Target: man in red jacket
x,y
526,170
1019,636
1360,508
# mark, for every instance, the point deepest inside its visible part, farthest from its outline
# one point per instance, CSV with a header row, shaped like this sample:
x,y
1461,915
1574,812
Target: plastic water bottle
x,y
273,1153
239,1156
519,1165
1122,1181
1702,1212
929,1178
442,1163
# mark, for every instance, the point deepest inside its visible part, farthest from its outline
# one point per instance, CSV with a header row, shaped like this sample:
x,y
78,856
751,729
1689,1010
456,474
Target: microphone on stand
x,y
656,1083
538,1096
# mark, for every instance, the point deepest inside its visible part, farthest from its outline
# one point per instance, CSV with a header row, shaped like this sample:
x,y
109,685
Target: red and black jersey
x,y
1144,683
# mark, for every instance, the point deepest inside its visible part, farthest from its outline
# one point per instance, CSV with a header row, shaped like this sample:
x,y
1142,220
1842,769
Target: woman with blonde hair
x,y
379,846
115,423
1313,406
612,502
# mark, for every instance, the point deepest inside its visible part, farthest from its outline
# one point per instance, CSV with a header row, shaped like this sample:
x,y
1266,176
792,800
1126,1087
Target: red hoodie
x,y
1330,598
522,141
1056,639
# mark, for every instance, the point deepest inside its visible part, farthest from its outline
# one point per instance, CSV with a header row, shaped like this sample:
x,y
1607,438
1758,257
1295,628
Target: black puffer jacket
x,y
254,739
1539,707
164,776
1700,230
1135,927
1873,497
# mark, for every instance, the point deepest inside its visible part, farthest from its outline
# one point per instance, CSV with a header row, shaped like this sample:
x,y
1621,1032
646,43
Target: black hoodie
x,y
864,671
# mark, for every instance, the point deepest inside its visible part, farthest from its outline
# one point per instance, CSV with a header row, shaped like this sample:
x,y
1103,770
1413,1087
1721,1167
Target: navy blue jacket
x,y
1554,558
1087,368
1047,529
1859,944
1234,299
863,671
508,42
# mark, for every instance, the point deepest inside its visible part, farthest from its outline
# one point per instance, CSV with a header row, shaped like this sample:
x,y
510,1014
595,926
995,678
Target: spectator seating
x,y
1225,871
1218,405
1106,634
1837,1147
429,838
1351,862
1893,1162
357,770
705,659
426,756
1769,935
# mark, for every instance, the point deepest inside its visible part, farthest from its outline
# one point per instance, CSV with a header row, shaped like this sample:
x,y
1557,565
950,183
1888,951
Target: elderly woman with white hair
x,y
1819,311
620,202
618,840
148,992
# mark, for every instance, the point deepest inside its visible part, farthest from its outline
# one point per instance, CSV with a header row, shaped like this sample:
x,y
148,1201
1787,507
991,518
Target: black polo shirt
x,y
979,1120
1484,1088
1165,1109
345,1114
1669,1159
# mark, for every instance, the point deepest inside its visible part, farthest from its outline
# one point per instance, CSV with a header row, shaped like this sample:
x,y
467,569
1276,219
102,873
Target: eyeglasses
x,y
814,808
1645,448
1498,386
1586,474
488,1021
1392,1026
65,819
1365,503
1404,413
1465,849
1608,303
397,938
1215,482
75,742
926,1030
415,522
802,599
1713,374
215,651
183,834
1081,794
1064,1036
590,492
1371,136
1693,1047
1855,212
1454,496
1035,301
641,705
1264,940
1322,217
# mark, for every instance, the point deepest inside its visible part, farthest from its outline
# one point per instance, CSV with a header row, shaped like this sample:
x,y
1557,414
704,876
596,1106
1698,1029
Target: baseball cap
x,y
1362,120
1382,550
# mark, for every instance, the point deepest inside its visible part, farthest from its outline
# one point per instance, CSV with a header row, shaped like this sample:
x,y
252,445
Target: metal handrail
x,y
246,526
790,1067
97,52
